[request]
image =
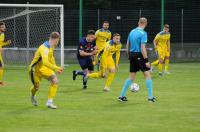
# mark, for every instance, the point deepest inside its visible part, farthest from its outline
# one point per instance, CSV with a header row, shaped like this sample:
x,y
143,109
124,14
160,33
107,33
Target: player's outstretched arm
x,y
83,53
5,43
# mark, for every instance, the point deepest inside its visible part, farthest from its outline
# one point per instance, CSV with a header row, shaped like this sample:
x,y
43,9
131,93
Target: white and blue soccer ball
x,y
134,87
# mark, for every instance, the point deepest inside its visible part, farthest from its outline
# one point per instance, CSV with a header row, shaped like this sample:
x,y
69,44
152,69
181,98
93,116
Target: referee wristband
x,y
146,60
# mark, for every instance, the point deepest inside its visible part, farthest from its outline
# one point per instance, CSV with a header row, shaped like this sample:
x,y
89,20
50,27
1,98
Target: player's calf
x,y
52,92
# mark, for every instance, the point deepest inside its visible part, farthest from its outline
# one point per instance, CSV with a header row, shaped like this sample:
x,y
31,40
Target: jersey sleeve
x,y
44,54
109,36
81,46
96,33
157,37
118,54
144,38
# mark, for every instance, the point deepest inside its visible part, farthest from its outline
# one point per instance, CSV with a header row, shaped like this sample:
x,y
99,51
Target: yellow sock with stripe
x,y
155,63
52,91
109,79
166,64
160,68
33,91
94,75
1,75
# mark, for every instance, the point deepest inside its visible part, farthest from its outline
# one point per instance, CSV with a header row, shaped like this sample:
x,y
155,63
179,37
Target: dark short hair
x,y
116,34
2,23
91,32
105,22
54,35
166,25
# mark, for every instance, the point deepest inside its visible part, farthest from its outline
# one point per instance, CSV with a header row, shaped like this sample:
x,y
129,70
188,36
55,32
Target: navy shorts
x,y
86,63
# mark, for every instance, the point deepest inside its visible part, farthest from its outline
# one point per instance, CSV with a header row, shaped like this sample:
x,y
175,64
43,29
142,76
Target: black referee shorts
x,y
137,62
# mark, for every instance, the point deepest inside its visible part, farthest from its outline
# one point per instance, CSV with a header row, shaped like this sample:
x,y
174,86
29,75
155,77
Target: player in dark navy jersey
x,y
86,52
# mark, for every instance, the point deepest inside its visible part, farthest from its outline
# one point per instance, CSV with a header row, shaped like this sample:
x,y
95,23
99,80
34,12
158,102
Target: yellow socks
x,y
109,79
155,63
166,64
1,74
33,91
94,75
52,91
160,68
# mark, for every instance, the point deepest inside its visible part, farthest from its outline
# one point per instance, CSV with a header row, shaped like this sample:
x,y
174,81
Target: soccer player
x,y
44,66
162,46
136,49
86,52
2,43
103,35
107,63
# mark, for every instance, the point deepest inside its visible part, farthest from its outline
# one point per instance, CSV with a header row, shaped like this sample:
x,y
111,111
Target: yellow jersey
x,y
2,40
44,56
102,36
110,49
162,39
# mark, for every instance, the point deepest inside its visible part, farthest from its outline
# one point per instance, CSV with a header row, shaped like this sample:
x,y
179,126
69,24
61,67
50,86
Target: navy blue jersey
x,y
86,47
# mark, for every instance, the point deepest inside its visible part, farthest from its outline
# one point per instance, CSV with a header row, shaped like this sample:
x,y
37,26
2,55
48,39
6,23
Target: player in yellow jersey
x,y
162,46
107,63
102,35
2,43
44,66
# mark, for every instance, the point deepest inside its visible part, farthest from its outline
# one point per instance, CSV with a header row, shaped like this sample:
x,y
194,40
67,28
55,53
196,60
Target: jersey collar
x,y
46,44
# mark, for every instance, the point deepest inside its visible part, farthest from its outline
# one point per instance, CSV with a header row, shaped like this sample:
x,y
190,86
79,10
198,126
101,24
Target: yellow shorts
x,y
110,63
163,53
104,67
36,75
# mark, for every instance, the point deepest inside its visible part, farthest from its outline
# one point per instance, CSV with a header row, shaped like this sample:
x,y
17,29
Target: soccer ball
x,y
134,87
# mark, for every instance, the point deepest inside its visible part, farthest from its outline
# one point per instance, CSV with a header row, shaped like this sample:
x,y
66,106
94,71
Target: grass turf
x,y
92,110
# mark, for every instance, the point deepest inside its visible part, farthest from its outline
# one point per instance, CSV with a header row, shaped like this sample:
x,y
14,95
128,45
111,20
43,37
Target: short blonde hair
x,y
142,20
55,35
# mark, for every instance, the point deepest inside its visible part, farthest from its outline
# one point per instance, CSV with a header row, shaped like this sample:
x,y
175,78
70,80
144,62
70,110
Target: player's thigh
x,y
111,65
167,54
1,62
35,78
142,65
133,63
161,55
83,63
48,74
90,65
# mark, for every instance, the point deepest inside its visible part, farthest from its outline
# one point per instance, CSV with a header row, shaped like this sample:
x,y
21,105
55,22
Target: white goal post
x,y
32,18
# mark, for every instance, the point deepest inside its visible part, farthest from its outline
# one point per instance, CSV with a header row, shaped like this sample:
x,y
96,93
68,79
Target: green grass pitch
x,y
92,110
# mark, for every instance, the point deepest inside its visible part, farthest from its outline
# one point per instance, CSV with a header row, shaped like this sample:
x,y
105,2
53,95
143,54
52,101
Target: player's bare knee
x,y
147,74
112,70
36,87
161,61
53,79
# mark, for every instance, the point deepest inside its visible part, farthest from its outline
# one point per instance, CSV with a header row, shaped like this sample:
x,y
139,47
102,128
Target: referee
x,y
136,49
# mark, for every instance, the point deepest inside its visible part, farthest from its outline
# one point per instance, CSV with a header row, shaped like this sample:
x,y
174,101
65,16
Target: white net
x,y
28,27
